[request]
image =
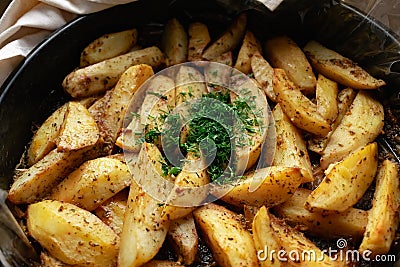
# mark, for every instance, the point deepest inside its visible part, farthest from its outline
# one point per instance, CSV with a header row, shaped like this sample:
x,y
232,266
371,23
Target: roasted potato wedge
x,y
291,149
230,39
349,179
383,217
47,260
144,231
99,77
264,237
189,84
108,46
225,58
93,182
277,185
345,99
359,126
112,211
249,47
350,223
79,130
189,189
183,235
308,254
300,110
174,43
282,52
339,68
199,38
264,74
37,181
71,234
230,243
114,110
44,139
327,98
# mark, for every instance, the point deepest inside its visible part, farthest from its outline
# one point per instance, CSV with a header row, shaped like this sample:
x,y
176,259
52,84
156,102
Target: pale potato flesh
x,y
108,46
264,237
345,99
79,130
350,223
360,125
71,234
327,98
230,39
282,52
249,47
339,68
383,217
290,150
349,179
43,141
199,38
184,238
174,43
231,244
264,74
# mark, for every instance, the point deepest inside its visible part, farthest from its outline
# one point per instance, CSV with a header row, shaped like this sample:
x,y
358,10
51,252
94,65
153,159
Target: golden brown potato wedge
x,y
249,47
290,150
229,241
93,182
79,130
345,99
349,179
174,43
189,189
44,139
230,39
199,38
113,210
114,110
359,126
282,52
339,68
277,185
327,98
300,110
265,239
71,234
383,217
298,249
108,46
37,181
144,231
99,77
350,223
183,235
264,74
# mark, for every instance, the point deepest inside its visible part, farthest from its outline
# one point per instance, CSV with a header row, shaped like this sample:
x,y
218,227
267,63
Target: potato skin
x,y
72,235
231,244
99,77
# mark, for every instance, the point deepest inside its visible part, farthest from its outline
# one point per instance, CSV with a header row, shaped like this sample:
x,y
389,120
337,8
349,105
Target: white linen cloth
x,y
25,23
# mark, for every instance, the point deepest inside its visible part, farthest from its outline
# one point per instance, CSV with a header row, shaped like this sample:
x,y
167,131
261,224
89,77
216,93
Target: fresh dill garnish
x,y
170,170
